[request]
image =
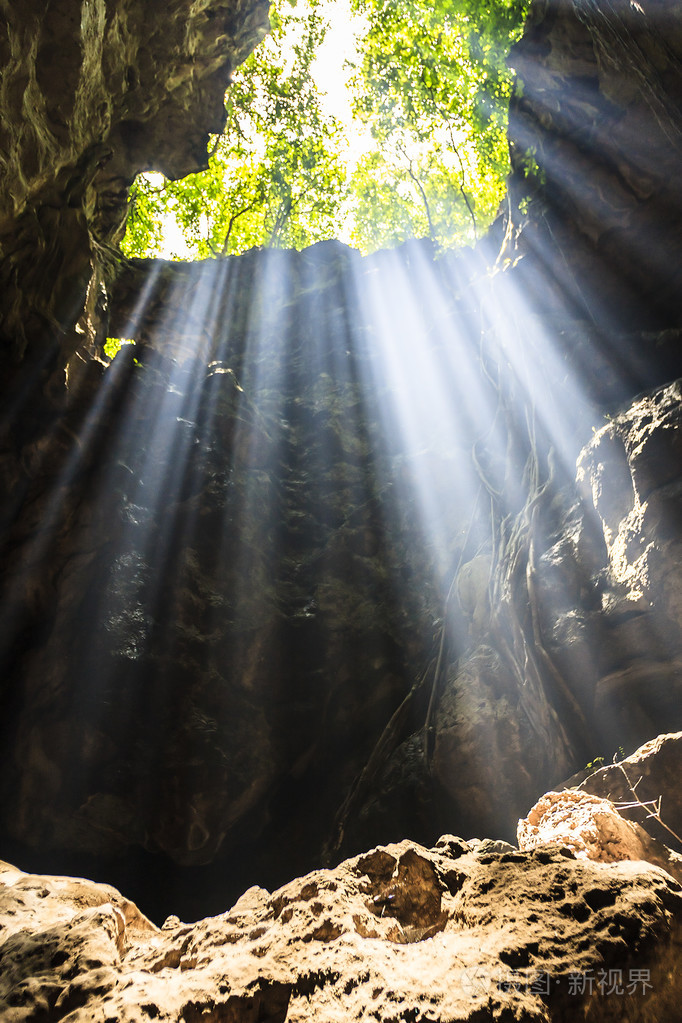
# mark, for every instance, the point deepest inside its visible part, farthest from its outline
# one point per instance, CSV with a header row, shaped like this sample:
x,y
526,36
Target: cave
x,y
344,549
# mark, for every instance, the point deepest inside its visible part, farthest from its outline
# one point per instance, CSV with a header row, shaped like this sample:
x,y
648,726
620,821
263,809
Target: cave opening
x,y
306,567
353,120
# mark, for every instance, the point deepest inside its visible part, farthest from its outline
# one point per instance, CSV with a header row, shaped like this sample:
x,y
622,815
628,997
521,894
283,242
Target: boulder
x,y
456,932
594,829
646,787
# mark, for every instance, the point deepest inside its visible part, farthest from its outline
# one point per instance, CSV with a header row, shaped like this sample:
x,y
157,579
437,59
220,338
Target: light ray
x,y
433,399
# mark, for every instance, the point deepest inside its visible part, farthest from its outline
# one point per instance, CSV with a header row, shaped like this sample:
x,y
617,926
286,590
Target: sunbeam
x,y
350,547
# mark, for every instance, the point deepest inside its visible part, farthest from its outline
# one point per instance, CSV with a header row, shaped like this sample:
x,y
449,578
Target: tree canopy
x,y
430,85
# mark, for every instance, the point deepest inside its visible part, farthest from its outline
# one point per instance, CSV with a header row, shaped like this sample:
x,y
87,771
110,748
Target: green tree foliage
x,y
430,81
275,177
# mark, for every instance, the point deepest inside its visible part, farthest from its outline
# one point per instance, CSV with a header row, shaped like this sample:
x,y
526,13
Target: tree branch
x,y
235,216
425,201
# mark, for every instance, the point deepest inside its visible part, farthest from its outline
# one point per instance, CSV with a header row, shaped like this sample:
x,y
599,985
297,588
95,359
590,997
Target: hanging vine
x,y
514,629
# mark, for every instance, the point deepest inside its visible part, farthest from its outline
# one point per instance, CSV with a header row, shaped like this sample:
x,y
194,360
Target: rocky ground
x,y
567,926
151,702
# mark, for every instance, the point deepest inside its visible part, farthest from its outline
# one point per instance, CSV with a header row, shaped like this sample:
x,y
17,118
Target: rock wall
x,y
262,606
235,615
596,136
232,603
92,92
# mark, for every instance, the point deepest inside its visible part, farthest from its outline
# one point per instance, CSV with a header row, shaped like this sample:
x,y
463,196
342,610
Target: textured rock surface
x,y
611,602
599,114
593,829
650,776
608,591
229,699
239,688
399,933
226,636
92,92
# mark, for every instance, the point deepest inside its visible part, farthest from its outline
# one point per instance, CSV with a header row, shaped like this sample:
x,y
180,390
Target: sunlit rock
x,y
646,787
637,499
592,828
401,932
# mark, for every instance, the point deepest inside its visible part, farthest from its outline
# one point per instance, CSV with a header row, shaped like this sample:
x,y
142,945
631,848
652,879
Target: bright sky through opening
x,y
331,74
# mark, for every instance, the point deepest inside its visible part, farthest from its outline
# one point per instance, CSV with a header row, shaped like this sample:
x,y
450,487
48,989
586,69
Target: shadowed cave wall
x,y
228,648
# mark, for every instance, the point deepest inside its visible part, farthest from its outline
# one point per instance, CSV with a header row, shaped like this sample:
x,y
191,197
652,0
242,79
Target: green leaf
x,y
429,82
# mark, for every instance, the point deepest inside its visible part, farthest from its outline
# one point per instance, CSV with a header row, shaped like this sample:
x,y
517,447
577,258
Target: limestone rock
x,y
649,776
398,933
597,113
258,698
483,722
210,627
632,467
195,705
632,470
594,829
92,93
